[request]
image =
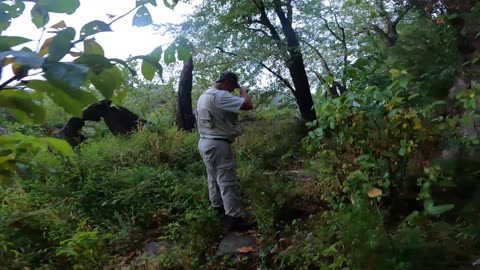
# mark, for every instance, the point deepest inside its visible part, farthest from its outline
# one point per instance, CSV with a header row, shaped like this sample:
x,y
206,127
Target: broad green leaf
x,y
62,6
17,9
436,210
107,81
142,17
40,16
156,54
172,5
58,145
7,42
97,63
72,101
24,58
66,76
5,19
94,27
183,50
148,70
92,47
151,61
21,104
61,44
169,56
143,2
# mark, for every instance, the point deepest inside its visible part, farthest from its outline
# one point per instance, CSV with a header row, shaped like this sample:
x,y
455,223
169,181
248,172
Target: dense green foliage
x,y
386,177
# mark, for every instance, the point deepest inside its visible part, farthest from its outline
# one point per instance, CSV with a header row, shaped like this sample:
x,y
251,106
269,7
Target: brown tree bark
x,y
184,116
467,26
296,66
293,54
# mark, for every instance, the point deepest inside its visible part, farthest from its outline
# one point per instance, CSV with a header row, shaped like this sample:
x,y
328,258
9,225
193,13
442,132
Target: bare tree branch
x,y
320,55
330,29
264,19
277,75
258,30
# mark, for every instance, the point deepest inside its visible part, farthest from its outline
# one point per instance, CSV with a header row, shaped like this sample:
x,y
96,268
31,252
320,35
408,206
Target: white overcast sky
x,y
125,39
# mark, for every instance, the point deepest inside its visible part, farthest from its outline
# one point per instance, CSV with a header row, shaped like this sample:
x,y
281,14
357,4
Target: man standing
x,y
217,123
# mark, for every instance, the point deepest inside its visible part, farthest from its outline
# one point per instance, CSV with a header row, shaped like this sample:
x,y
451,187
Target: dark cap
x,y
228,76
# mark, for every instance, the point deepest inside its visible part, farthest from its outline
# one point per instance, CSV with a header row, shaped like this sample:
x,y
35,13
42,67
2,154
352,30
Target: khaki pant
x,y
221,172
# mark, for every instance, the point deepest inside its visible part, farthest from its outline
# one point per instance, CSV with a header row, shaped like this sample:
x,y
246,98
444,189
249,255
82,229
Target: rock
x,y
235,243
3,131
156,248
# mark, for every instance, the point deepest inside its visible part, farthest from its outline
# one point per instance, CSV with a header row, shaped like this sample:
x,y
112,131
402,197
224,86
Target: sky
x,y
125,39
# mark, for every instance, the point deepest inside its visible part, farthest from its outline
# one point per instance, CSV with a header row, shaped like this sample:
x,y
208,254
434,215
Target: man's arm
x,y
247,103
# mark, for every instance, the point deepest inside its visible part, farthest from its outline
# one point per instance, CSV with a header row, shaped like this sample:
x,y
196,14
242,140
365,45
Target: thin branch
x,y
258,30
7,82
285,81
119,17
40,39
265,21
320,55
319,77
109,24
330,29
401,15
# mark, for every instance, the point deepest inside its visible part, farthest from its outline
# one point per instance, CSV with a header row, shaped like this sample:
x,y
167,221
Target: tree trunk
x,y
184,116
468,45
296,67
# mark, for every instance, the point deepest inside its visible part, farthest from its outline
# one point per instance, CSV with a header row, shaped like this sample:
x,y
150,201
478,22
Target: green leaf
x,y
395,73
143,2
22,106
125,64
58,145
183,50
151,61
94,27
97,63
40,16
393,112
61,44
107,81
172,5
5,18
148,70
142,17
92,47
156,54
72,101
436,210
62,6
7,42
24,58
17,9
169,56
66,76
